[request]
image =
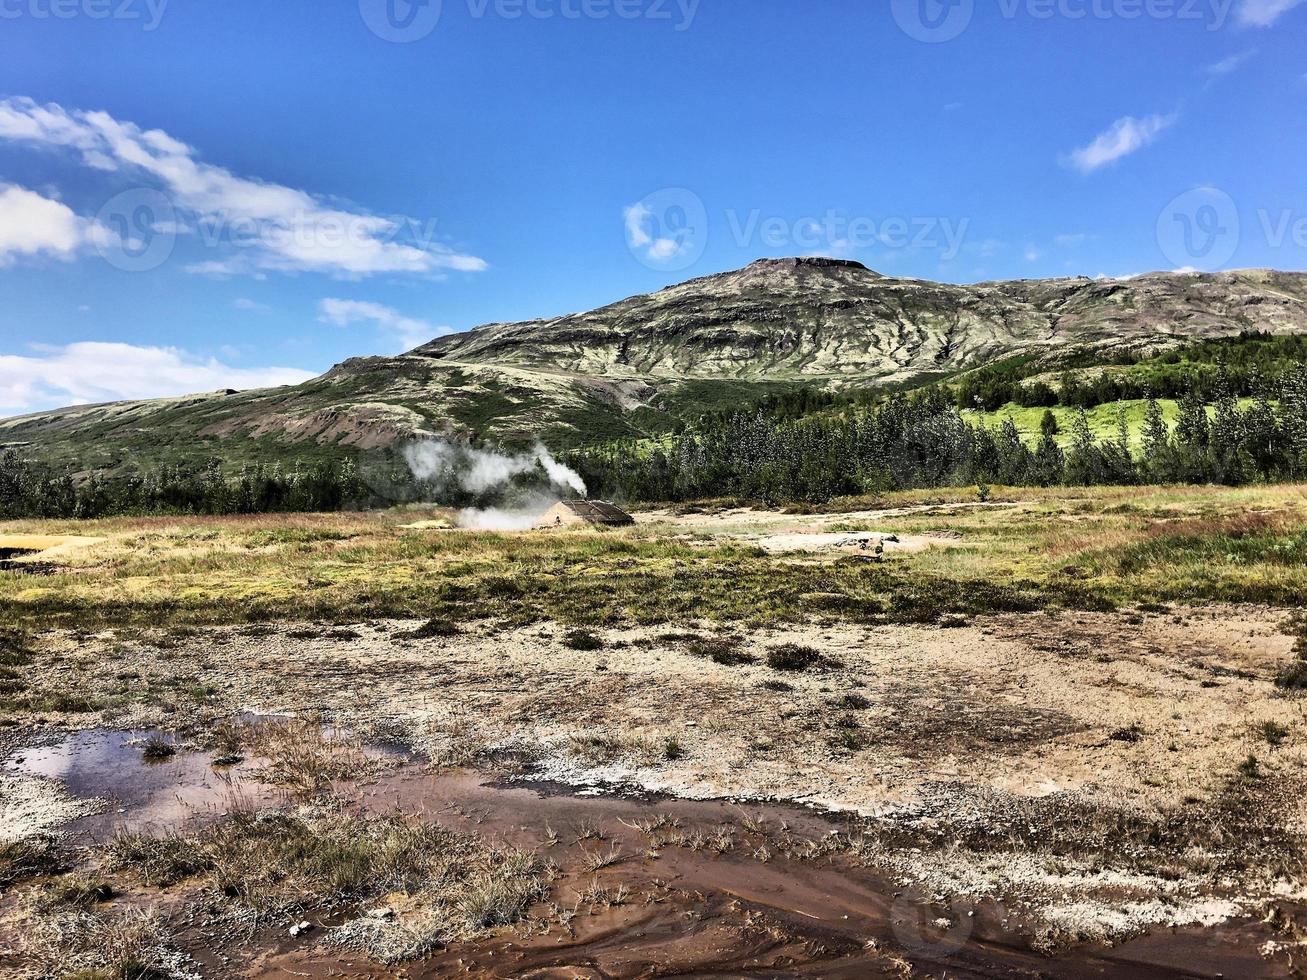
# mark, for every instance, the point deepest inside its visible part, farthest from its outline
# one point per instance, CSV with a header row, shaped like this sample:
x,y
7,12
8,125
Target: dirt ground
x,y
900,724
1098,776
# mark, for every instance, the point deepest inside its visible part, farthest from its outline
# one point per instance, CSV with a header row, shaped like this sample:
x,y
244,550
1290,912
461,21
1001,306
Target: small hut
x,y
596,513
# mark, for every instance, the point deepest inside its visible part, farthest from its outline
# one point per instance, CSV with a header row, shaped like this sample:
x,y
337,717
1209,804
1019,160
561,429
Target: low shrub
x,y
794,657
582,640
720,651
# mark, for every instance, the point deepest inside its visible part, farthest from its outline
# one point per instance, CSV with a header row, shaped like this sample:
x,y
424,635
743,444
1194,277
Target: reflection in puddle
x,y
141,793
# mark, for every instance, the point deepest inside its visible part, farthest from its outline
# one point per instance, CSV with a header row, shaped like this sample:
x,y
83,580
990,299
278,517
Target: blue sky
x,y
202,195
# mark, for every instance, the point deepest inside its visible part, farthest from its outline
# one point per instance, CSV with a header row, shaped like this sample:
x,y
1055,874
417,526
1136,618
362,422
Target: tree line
x,y
32,489
922,440
1209,368
897,441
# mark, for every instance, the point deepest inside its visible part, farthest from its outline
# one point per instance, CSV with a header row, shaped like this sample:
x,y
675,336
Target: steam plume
x,y
512,490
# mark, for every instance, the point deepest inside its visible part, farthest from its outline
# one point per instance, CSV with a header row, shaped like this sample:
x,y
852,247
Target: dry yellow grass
x,y
1030,548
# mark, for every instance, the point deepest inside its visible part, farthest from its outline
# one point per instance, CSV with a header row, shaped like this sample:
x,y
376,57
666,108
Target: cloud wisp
x,y
272,227
407,332
1229,65
1125,136
1264,13
91,372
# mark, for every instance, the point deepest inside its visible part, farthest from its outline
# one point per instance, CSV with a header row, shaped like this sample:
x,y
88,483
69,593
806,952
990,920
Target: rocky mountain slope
x,y
640,365
828,318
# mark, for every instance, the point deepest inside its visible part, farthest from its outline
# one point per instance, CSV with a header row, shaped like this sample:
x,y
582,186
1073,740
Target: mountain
x,y
638,366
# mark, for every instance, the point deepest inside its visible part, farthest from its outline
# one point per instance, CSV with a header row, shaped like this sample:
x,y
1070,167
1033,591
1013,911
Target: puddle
x,y
139,794
756,908
161,794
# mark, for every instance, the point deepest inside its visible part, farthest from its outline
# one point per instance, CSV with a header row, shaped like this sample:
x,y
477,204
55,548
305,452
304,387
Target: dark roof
x,y
599,512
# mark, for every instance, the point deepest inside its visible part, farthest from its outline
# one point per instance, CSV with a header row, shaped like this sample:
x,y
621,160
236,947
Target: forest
x,y
921,440
805,447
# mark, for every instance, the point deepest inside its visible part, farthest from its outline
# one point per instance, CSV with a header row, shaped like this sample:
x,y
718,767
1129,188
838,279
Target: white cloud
x,y
1264,13
276,227
1122,138
407,331
251,305
90,372
1071,240
1228,65
657,249
33,225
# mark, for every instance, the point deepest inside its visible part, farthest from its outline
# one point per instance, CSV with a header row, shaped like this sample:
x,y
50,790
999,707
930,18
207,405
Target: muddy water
x,y
757,909
137,794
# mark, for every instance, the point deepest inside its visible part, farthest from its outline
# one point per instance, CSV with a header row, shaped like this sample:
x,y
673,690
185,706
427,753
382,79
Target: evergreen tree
x,y
1084,460
1192,437
1157,464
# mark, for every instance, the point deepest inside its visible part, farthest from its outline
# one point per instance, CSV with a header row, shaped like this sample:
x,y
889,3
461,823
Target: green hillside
x,y
1103,419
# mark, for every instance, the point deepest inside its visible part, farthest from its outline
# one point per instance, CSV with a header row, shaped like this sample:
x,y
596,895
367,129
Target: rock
x,y
301,928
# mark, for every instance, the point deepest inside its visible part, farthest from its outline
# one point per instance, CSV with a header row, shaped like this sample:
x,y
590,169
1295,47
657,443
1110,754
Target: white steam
x,y
497,519
450,467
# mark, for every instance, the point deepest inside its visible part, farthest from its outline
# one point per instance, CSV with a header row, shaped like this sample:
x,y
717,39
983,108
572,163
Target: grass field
x,y
1092,548
1077,703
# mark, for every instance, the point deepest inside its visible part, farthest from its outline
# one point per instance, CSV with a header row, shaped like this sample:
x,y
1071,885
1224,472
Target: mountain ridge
x,y
645,363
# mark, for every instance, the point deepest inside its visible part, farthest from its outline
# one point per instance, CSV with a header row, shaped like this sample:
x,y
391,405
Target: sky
x,y
227,195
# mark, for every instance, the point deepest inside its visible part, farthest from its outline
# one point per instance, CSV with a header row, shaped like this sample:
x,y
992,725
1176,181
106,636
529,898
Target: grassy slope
x,y
1102,419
